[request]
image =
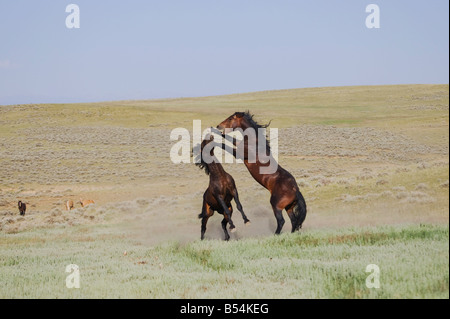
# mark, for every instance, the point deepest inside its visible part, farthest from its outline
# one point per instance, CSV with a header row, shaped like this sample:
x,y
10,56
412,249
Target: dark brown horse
x,y
285,193
220,192
22,208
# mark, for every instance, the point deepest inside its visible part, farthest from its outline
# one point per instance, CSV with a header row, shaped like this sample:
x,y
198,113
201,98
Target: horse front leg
x,y
240,209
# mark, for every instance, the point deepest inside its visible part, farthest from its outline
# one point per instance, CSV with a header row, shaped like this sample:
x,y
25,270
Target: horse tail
x,y
299,210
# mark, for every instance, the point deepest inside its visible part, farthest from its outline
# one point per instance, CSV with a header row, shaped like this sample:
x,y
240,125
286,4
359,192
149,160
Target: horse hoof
x,y
247,223
233,229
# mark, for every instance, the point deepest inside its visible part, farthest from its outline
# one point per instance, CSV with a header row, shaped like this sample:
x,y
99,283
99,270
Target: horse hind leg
x,y
280,220
206,213
224,227
230,210
227,214
203,230
278,215
293,218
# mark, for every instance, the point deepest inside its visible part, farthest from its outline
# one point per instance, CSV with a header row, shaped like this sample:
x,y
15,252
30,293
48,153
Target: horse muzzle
x,y
221,129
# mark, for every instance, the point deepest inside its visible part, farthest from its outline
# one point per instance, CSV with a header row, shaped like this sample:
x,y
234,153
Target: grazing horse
x,y
86,202
69,205
285,193
22,208
219,194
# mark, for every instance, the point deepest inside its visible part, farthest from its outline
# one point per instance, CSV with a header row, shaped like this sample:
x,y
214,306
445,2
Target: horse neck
x,y
215,168
244,126
258,141
254,168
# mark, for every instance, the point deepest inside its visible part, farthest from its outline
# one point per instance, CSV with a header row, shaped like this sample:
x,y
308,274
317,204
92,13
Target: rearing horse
x,y
220,192
285,193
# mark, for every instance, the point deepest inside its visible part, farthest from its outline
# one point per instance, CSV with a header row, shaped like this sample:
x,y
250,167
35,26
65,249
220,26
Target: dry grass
x,y
363,156
118,152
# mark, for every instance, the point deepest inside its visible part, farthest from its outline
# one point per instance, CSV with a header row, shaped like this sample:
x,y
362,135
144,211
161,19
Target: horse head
x,y
234,121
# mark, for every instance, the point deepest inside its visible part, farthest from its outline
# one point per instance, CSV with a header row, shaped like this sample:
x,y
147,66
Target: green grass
x,y
413,263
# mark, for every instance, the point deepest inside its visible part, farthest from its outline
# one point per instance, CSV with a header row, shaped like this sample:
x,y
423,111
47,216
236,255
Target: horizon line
x,y
223,95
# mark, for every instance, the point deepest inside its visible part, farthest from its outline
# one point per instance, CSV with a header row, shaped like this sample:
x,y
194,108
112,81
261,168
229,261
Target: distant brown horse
x,y
285,193
22,208
86,202
221,191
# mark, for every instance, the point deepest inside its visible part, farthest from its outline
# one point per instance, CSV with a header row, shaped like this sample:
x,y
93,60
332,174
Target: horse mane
x,y
199,159
249,117
255,125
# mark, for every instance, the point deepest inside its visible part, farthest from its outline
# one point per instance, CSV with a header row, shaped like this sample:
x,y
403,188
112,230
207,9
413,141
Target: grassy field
x,y
372,163
413,263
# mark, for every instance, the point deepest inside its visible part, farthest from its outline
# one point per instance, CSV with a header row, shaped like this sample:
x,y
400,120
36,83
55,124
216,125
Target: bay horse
x,y
285,193
219,194
22,208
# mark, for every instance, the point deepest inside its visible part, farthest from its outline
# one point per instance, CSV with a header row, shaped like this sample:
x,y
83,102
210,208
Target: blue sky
x,y
155,49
